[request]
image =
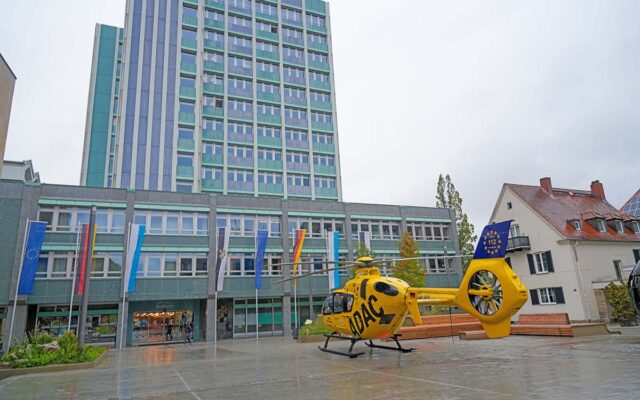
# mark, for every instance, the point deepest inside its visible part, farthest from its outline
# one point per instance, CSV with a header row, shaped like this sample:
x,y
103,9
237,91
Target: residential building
x,y
7,84
566,245
215,96
632,206
21,171
176,270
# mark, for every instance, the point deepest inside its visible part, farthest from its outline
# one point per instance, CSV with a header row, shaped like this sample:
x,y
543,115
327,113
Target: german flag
x,y
297,251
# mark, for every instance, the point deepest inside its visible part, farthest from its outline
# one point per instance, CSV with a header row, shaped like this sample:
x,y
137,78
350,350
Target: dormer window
x,y
635,225
619,226
577,225
602,227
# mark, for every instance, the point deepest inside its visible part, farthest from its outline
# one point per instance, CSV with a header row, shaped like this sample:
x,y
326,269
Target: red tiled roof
x,y
564,205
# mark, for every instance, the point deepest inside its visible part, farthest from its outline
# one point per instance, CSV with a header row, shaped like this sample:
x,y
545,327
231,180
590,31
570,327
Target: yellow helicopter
x,y
373,307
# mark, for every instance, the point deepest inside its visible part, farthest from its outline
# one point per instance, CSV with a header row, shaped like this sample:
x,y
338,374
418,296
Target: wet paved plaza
x,y
516,367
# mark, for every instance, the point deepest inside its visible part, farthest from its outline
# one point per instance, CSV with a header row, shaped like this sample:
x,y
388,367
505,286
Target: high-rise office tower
x,y
220,96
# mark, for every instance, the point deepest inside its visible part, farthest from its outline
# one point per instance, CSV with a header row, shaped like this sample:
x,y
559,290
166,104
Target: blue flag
x,y
31,256
262,247
493,241
134,247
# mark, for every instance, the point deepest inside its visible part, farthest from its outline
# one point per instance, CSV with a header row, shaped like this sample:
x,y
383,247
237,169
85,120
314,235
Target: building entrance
x,y
268,321
160,326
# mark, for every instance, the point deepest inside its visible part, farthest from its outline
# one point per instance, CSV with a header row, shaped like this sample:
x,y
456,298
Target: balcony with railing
x,y
187,93
322,126
298,166
211,184
187,68
212,88
294,40
240,186
318,84
275,165
245,162
214,4
271,188
268,76
238,91
326,192
184,172
189,44
297,144
240,70
210,23
260,34
210,44
299,190
269,119
186,145
209,159
186,118
328,148
313,45
190,21
297,122
269,141
270,97
212,66
322,66
240,137
212,112
320,105
241,114
293,59
296,101
324,169
267,55
518,243
212,135
237,48
243,8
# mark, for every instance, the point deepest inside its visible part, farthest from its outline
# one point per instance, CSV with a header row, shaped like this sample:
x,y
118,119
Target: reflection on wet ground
x,y
275,368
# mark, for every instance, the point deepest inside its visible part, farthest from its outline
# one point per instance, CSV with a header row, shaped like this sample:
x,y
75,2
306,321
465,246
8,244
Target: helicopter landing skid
x,y
349,354
395,339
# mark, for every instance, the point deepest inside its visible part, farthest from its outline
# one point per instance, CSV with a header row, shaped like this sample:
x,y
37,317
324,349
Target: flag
x,y
81,263
134,247
33,245
223,257
333,241
365,237
261,247
493,241
297,251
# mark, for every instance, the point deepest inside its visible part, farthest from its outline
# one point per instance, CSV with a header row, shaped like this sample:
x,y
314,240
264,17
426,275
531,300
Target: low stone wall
x,y
7,372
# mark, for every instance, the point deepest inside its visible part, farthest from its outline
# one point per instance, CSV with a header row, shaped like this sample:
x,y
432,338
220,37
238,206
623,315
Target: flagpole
x,y
15,299
124,286
73,282
256,314
215,316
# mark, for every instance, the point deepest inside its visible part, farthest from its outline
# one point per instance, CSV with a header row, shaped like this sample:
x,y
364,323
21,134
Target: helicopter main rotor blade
x,y
320,271
312,263
408,271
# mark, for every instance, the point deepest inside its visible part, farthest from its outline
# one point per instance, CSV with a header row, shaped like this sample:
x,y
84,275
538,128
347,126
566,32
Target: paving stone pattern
x,y
516,367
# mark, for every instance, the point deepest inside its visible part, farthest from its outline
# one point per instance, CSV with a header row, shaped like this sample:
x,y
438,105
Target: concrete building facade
x,y
7,84
215,96
175,275
566,245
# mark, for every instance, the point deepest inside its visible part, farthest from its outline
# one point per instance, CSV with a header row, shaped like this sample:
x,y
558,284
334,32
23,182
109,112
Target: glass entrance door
x,y
159,327
268,321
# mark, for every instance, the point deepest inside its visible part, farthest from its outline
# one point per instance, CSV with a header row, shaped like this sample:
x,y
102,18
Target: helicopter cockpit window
x,y
338,303
327,306
348,302
385,288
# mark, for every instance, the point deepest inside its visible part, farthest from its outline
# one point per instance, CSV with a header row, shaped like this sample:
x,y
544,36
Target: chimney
x,y
597,189
545,183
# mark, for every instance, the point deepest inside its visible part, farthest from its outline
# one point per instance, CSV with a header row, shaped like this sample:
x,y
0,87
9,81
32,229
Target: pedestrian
x,y
169,333
188,331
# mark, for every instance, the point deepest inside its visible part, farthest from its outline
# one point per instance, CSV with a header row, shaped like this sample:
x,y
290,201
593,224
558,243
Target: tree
x,y
448,197
409,249
618,298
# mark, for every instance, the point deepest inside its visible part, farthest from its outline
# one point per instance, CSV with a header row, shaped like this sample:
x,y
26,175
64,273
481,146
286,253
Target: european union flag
x,y
31,256
493,241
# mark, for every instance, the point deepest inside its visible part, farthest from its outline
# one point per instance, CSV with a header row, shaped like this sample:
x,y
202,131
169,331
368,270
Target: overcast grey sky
x,y
487,91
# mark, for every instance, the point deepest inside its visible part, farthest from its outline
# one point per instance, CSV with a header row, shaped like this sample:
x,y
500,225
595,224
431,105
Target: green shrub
x,y
618,298
316,328
32,353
